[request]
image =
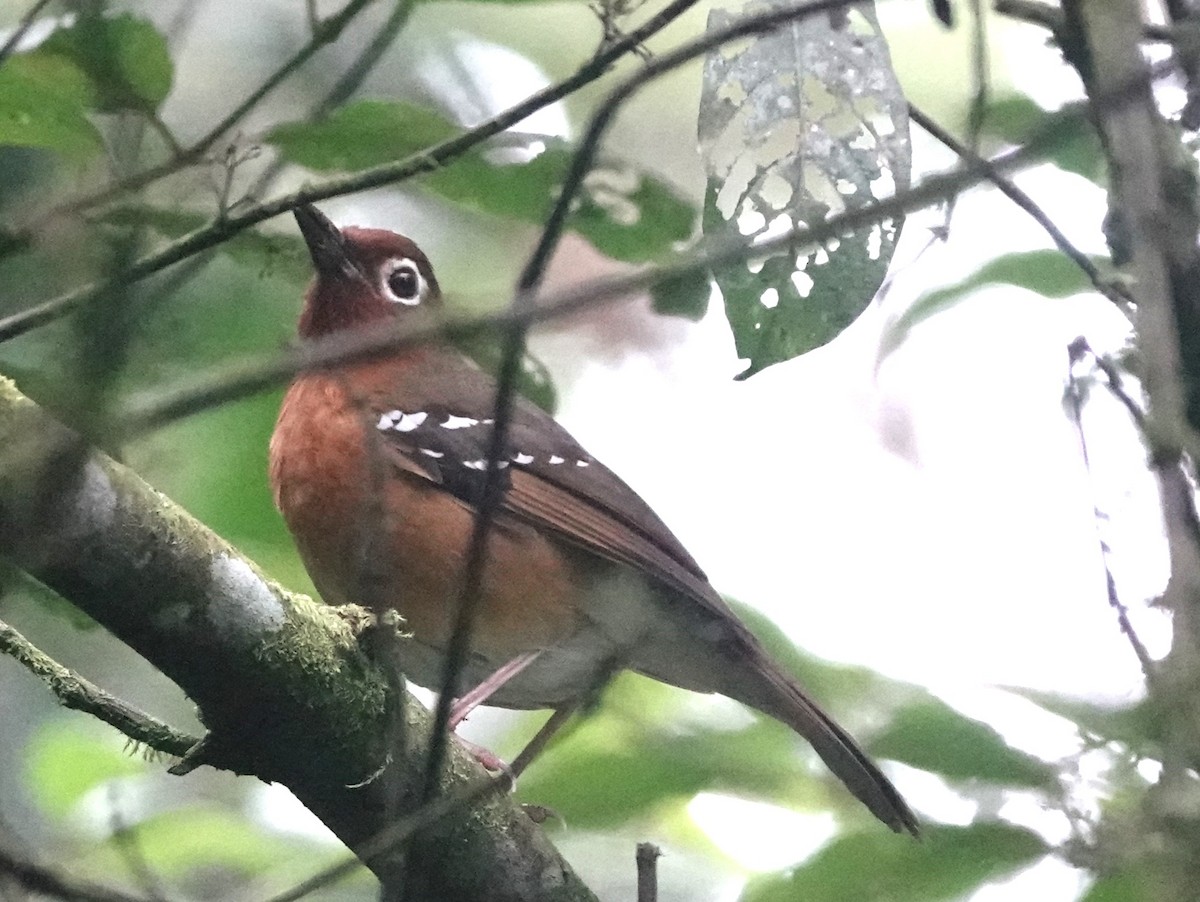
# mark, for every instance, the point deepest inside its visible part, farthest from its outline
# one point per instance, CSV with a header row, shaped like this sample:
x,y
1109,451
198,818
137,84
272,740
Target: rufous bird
x,y
377,467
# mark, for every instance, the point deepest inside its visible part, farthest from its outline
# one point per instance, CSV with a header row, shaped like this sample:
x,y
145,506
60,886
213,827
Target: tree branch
x,y
1152,227
46,881
1110,288
281,681
79,694
22,29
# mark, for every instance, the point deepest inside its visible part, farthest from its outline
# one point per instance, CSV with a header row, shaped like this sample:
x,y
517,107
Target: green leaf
x,y
685,296
627,214
1137,726
934,737
1076,146
948,863
522,191
126,58
792,136
1129,886
1049,273
43,103
64,762
360,135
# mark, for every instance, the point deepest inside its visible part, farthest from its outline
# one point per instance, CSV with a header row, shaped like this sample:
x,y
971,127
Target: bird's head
x,y
363,276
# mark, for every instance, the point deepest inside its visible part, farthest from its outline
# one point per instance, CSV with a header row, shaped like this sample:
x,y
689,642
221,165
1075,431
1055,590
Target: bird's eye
x,y
404,283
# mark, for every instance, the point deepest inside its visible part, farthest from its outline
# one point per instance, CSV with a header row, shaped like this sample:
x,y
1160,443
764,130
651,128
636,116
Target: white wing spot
x,y
488,422
385,422
522,458
431,453
475,464
407,422
555,459
582,463
453,422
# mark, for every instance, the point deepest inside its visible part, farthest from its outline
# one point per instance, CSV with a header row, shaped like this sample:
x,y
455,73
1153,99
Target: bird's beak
x,y
326,244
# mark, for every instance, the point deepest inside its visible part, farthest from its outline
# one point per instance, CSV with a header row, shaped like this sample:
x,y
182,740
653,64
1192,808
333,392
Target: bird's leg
x,y
464,705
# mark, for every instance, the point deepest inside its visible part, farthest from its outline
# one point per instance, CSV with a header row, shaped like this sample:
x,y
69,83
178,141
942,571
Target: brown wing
x,y
552,482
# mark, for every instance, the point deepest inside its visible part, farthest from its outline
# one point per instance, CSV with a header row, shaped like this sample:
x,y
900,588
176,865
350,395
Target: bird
x,y
377,467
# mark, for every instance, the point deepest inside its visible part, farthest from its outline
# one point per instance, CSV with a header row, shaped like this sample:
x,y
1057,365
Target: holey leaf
x,y
795,126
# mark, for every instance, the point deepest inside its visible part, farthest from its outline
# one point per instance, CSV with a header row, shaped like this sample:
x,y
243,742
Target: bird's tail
x,y
758,682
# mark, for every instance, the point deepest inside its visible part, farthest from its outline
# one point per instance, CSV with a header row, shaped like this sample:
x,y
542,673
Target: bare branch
x,y
1077,351
49,882
79,694
647,871
1110,288
263,371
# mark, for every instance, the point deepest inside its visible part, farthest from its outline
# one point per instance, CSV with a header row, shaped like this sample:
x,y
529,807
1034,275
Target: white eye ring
x,y
403,283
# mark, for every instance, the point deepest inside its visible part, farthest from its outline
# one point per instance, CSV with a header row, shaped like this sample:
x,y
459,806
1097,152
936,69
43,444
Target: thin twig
x,y
1033,12
79,694
1111,289
541,739
354,76
396,834
345,86
492,494
46,881
981,91
328,31
1076,352
27,22
129,846
424,161
647,871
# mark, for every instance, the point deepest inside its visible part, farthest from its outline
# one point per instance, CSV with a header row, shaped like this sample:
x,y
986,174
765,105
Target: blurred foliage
x,y
645,750
43,103
64,764
97,64
1044,272
120,817
965,750
126,59
1076,148
948,862
625,214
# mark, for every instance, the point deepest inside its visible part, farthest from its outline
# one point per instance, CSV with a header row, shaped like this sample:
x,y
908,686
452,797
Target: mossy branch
x,y
281,681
